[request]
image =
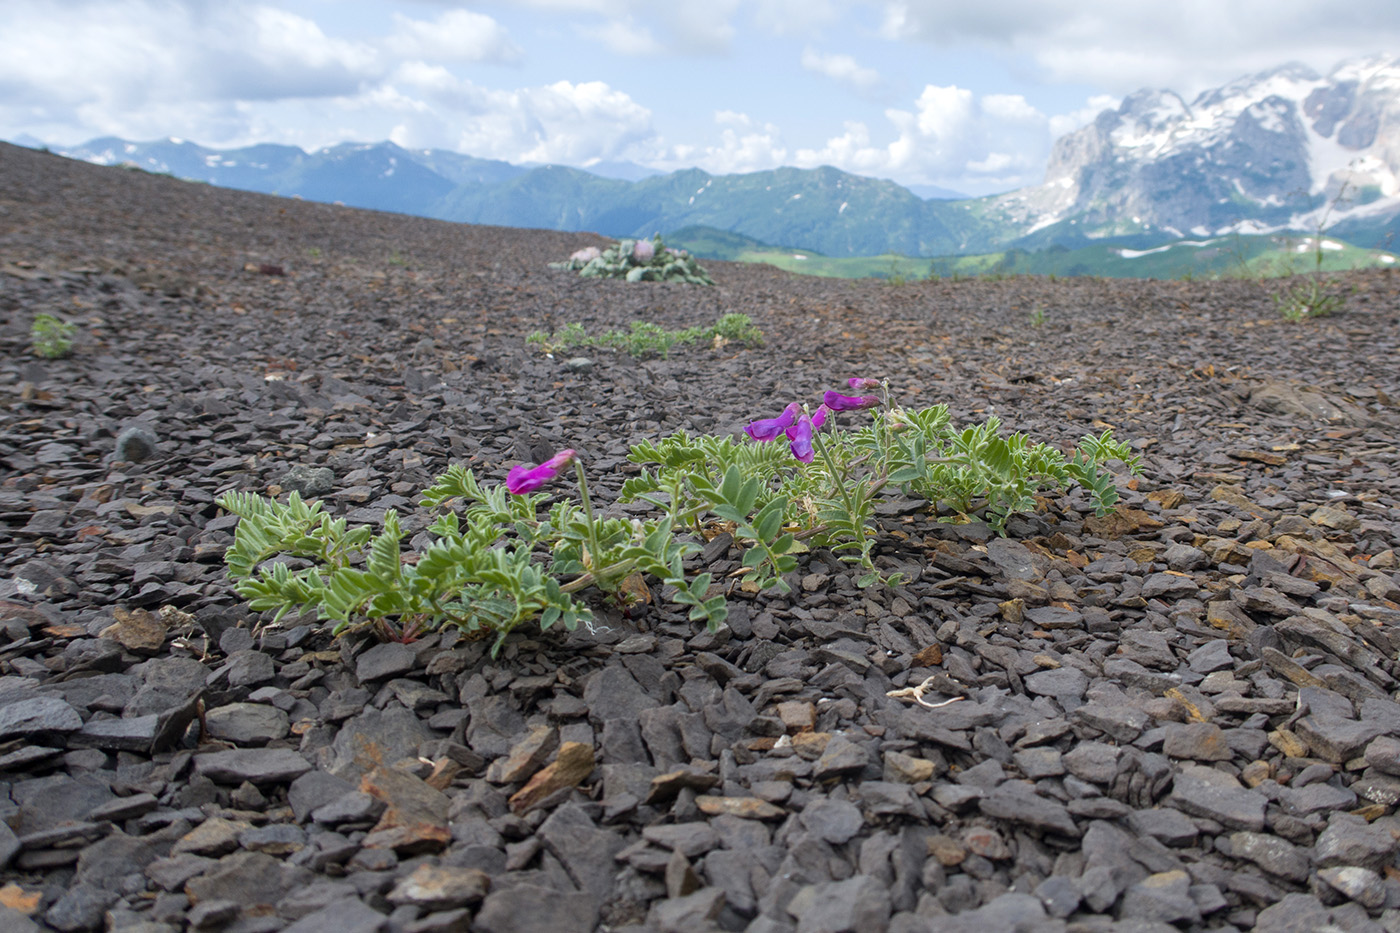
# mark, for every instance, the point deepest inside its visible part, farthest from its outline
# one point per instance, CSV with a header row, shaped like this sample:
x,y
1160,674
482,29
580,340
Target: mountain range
x,y
1285,149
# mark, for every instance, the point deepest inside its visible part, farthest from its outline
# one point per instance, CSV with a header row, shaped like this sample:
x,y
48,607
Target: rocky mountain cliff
x,y
1286,148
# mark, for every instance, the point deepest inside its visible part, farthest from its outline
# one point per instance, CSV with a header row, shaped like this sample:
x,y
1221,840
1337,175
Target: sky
x,y
967,96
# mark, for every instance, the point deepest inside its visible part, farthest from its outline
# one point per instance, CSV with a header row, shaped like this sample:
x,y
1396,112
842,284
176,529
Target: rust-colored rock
x,y
526,757
136,630
415,817
1119,522
810,745
932,656
798,715
441,887
666,786
573,764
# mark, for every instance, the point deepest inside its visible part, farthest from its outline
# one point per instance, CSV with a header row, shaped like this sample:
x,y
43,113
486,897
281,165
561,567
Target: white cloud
x,y
842,68
794,17
1063,123
744,145
625,37
1187,45
682,27
952,137
455,36
561,122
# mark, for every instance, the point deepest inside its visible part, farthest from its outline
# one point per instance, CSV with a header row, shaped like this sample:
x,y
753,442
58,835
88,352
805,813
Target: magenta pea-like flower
x,y
522,479
766,429
838,402
863,384
800,438
819,416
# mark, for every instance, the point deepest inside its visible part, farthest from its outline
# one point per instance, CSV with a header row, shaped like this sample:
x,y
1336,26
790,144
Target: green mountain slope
x,y
1246,256
820,209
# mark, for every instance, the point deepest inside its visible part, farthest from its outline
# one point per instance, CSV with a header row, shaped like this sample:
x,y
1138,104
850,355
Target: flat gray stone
x,y
1169,586
1096,762
247,723
1019,803
385,660
315,789
253,879
529,908
1039,762
249,668
1060,682
842,756
585,850
836,821
81,907
1234,807
1334,739
1200,741
128,734
1296,913
1350,840
1383,754
348,916
39,714
256,765
1171,827
858,903
1212,656
1316,798
382,737
1164,897
1275,855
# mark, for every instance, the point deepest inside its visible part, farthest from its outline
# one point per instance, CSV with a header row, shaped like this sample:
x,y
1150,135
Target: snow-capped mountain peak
x,y
1284,147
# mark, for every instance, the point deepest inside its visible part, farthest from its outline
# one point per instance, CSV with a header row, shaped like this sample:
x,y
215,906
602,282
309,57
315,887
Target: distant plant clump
x,y
637,261
648,339
50,337
1311,296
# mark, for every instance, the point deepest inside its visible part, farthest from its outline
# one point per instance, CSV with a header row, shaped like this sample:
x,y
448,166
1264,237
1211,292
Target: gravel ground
x,y
1182,716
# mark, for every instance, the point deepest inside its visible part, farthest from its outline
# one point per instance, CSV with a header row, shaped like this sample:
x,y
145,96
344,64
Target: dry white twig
x,y
917,694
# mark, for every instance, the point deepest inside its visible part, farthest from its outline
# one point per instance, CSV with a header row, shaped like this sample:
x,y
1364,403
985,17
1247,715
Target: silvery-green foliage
x,y
637,261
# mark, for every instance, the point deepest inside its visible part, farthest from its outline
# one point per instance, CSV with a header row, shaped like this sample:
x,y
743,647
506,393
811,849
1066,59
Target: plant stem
x,y
840,480
595,552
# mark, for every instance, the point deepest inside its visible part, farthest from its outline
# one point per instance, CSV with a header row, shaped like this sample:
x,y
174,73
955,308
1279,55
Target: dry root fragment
x,y
917,694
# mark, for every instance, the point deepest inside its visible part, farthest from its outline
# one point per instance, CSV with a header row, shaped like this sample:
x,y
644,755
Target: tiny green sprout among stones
x,y
637,261
499,556
647,339
51,337
1037,317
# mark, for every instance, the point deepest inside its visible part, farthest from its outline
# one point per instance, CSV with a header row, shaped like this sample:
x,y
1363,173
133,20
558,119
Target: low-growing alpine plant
x,y
51,337
644,338
507,554
637,261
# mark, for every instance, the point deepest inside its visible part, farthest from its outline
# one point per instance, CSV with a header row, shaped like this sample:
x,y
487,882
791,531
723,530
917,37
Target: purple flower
x,y
838,402
862,384
819,416
766,429
800,438
522,479
643,251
